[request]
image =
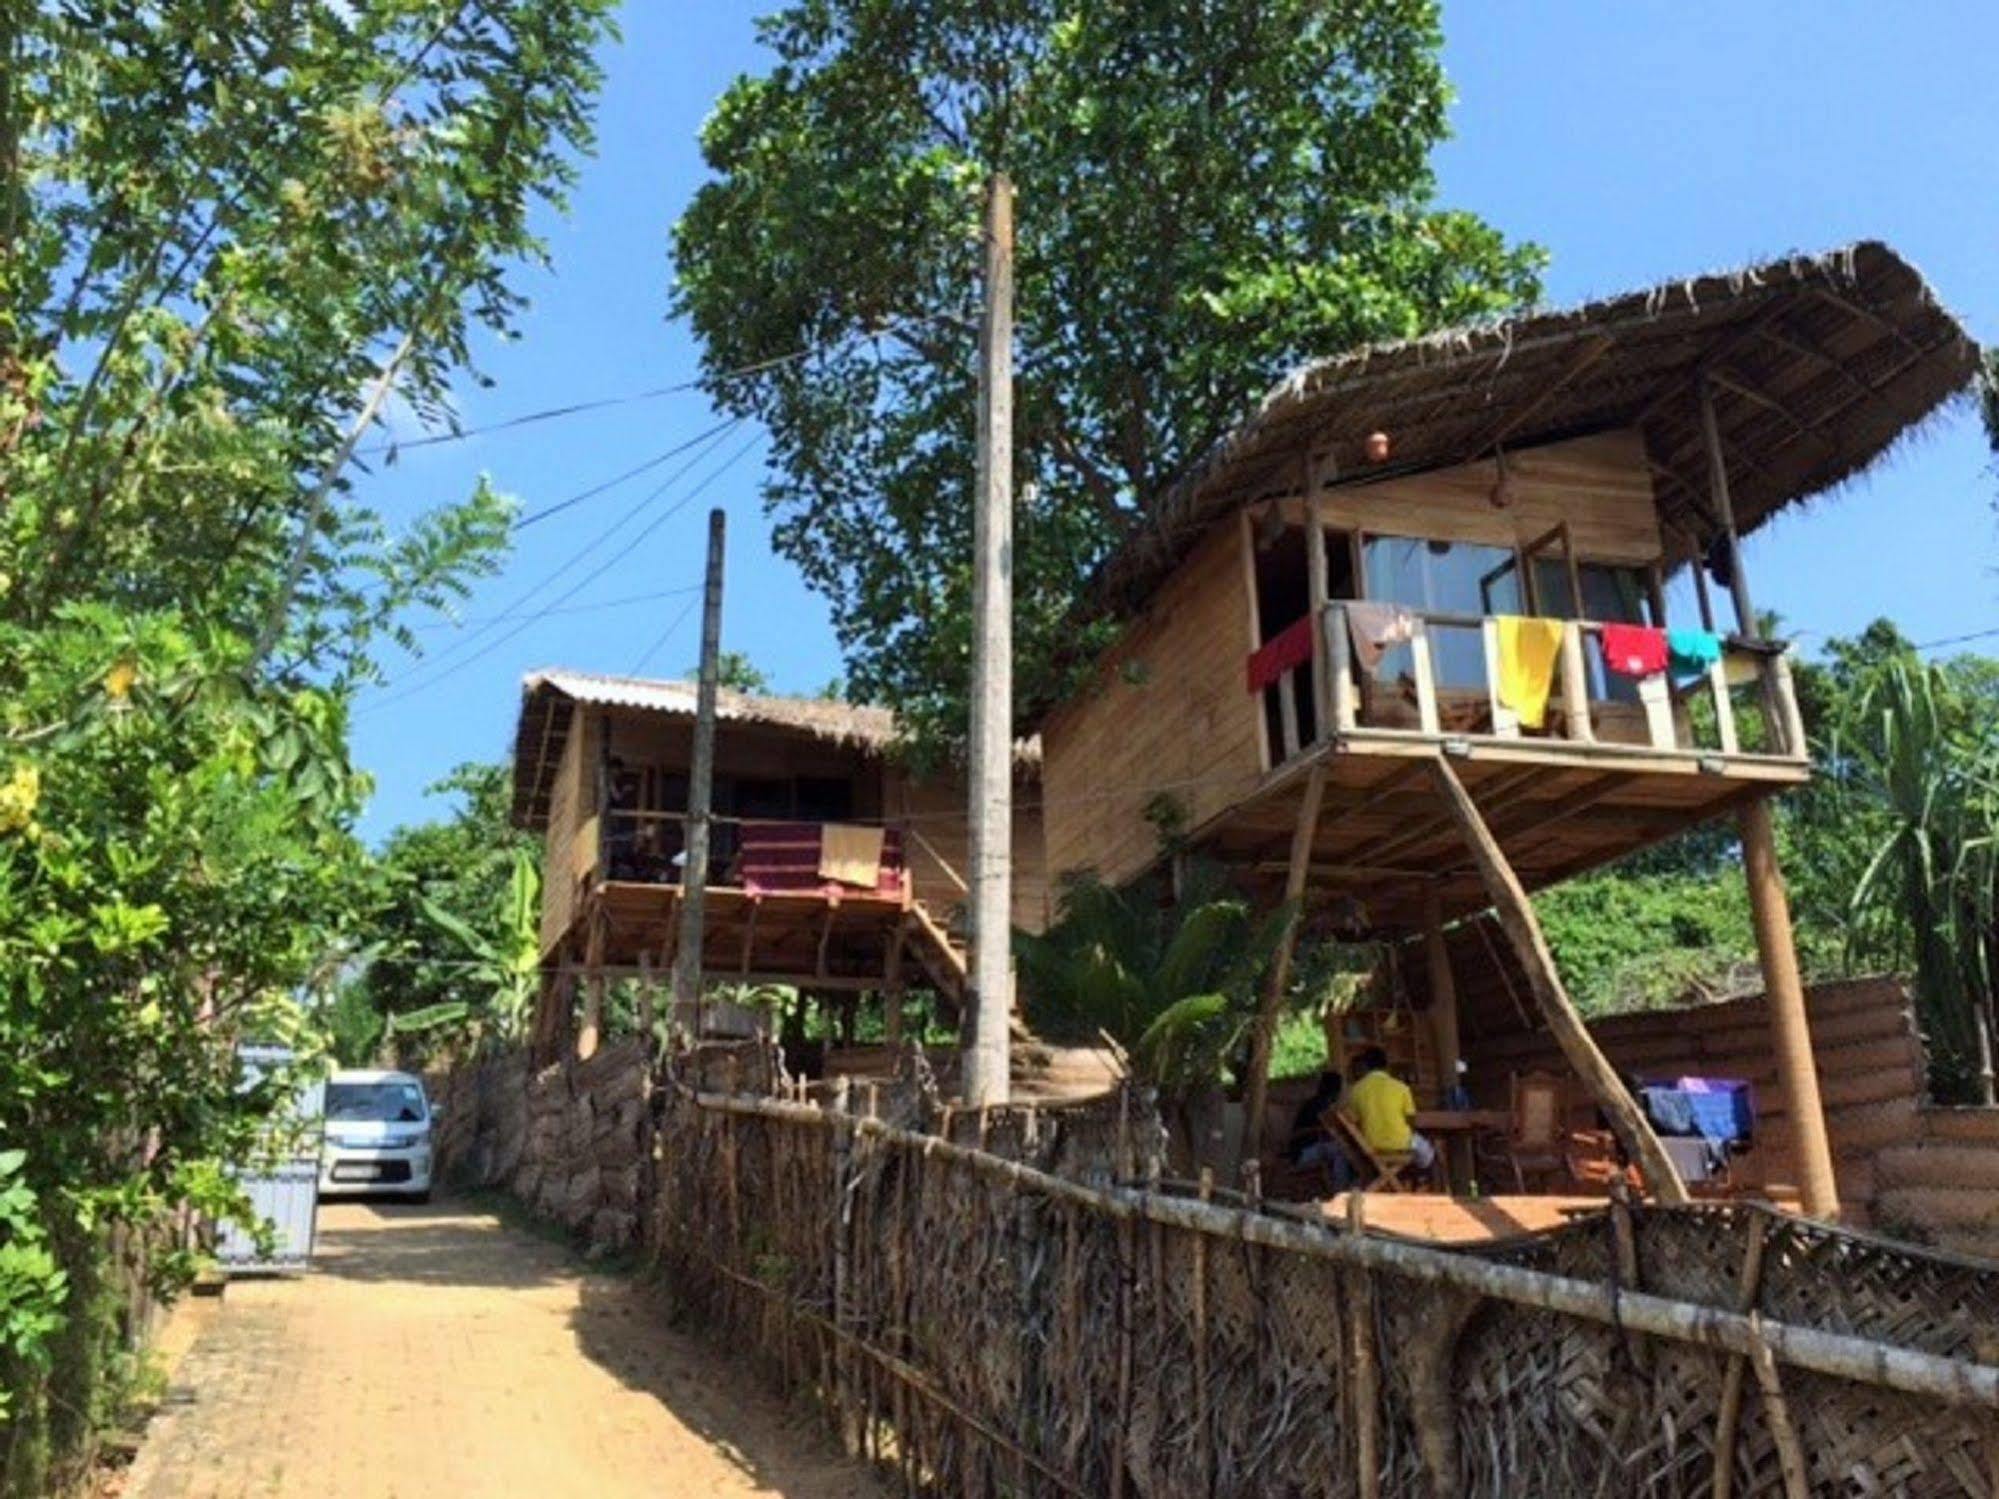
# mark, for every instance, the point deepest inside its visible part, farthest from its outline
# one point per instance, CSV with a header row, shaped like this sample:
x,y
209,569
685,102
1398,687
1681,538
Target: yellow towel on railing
x,y
1528,649
852,855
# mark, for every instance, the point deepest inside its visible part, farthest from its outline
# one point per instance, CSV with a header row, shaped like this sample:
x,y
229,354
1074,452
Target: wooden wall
x,y
1872,1070
1599,485
571,840
936,806
1166,710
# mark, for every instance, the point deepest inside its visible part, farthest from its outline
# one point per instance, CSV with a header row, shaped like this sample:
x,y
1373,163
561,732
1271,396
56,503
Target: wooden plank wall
x,y
937,807
569,810
1167,709
1872,1067
1599,485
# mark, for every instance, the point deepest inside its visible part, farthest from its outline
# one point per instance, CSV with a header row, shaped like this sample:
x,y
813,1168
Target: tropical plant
x,y
499,966
1928,767
1206,195
225,243
1174,985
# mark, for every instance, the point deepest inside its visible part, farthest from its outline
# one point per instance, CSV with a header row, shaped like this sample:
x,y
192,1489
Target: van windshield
x,y
395,1103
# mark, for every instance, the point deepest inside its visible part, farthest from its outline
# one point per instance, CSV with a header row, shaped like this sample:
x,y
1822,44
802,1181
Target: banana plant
x,y
502,965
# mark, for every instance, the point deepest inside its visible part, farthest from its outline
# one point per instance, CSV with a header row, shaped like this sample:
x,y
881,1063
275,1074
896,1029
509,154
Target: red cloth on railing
x,y
784,857
1292,646
1634,650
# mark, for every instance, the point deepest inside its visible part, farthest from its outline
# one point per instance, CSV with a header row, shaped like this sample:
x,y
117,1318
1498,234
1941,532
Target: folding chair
x,y
1381,1169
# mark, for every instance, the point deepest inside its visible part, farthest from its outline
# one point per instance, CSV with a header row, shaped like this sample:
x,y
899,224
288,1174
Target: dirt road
x,y
435,1352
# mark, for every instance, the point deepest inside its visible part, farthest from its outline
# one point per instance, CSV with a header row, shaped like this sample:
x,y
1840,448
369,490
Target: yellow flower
x,y
18,795
118,681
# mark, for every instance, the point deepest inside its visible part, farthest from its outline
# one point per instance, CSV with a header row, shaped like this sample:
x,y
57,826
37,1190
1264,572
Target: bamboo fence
x,y
976,1323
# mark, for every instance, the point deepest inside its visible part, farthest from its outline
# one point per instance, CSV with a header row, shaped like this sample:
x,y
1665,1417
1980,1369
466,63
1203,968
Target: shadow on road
x,y
441,1243
622,1325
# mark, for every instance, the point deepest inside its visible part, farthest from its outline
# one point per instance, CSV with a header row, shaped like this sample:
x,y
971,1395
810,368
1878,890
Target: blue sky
x,y
1637,141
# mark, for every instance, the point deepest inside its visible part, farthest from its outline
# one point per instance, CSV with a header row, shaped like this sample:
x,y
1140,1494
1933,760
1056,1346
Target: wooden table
x,y
1453,1131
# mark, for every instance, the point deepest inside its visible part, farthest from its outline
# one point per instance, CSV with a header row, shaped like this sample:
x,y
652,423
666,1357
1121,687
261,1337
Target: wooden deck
x,y
857,940
1385,837
1462,1220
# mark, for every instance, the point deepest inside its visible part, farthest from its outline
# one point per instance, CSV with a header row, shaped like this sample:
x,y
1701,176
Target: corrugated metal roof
x,y
845,723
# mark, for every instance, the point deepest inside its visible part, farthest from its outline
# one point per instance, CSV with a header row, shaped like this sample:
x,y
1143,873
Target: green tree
x,y
446,908
224,243
735,670
1207,194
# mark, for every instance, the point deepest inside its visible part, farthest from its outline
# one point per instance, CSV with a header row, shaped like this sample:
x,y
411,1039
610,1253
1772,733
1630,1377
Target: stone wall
x,y
569,1142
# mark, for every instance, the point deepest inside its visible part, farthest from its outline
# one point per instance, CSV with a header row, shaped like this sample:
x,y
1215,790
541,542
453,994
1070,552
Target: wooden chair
x,y
1536,1138
1381,1170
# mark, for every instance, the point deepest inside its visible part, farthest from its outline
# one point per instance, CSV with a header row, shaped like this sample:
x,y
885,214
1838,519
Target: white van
x,y
377,1138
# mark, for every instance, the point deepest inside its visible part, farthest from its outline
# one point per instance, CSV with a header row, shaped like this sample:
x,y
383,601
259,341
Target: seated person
x,y
1309,1144
1381,1106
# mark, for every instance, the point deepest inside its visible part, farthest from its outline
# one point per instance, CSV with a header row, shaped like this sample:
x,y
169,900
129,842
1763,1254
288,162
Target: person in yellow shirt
x,y
1381,1107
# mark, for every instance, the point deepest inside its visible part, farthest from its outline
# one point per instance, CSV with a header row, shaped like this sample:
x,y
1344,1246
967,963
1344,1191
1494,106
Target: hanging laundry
x,y
1289,647
1634,650
1692,652
1527,652
1374,627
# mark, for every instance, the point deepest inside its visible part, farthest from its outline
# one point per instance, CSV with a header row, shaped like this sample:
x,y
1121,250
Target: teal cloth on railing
x,y
1691,652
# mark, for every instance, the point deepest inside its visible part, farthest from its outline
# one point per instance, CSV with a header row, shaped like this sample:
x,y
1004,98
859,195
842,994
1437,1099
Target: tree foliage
x,y
1207,194
223,242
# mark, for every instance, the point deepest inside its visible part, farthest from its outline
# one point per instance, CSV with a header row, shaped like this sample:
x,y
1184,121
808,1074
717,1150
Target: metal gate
x,y
284,1192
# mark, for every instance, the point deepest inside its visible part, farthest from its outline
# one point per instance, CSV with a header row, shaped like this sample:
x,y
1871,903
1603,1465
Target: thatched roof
x,y
549,699
1817,364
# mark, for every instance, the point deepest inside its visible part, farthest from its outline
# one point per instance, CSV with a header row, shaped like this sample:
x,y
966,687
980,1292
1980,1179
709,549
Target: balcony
x,y
1615,766
1441,689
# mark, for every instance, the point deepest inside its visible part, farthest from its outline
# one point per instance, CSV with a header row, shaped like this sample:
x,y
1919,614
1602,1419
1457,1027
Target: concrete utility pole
x,y
700,787
989,996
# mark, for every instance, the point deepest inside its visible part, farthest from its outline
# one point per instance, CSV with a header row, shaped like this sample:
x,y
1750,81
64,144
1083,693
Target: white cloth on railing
x,y
1374,627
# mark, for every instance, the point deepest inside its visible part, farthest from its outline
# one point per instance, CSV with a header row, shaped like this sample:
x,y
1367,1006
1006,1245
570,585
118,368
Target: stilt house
x,y
1401,769
833,866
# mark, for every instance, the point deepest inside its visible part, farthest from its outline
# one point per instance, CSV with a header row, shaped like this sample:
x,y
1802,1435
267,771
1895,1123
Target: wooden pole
x,y
1523,931
700,782
1717,471
591,1030
1264,1036
989,985
1443,993
1784,992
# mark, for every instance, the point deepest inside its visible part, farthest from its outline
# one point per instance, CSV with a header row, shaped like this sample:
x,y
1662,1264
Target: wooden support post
x,y
1424,665
688,960
1316,589
1728,1417
1443,994
1575,686
1339,656
892,987
1505,722
989,979
1366,1391
1264,1036
1777,1416
1784,993
1530,946
591,1031
1717,474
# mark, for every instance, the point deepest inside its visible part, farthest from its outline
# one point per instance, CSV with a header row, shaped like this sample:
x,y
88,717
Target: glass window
x,y
393,1102
1450,577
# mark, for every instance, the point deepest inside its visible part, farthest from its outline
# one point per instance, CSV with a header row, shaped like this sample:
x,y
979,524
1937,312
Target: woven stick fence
x,y
977,1325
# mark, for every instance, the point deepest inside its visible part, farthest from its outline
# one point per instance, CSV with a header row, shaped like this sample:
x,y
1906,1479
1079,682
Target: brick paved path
x,y
435,1353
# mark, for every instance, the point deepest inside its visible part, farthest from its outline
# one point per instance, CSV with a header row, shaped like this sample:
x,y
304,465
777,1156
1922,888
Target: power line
x,y
529,593
631,473
575,588
625,602
664,636
1931,645
577,408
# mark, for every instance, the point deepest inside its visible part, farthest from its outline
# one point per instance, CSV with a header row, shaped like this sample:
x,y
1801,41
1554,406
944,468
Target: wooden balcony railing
x,y
1328,695
761,855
